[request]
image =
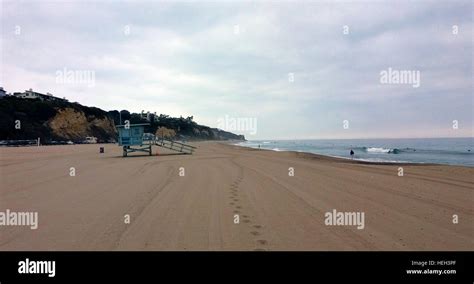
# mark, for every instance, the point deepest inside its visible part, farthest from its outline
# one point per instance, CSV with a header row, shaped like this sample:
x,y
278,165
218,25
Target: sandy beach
x,y
196,211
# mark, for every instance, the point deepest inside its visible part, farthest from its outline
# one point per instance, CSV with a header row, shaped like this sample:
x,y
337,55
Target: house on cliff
x,y
30,94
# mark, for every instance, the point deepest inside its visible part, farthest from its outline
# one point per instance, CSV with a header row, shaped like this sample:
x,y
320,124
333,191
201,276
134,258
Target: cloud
x,y
185,58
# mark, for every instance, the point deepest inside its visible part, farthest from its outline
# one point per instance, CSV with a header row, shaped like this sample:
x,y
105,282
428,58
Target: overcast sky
x,y
234,59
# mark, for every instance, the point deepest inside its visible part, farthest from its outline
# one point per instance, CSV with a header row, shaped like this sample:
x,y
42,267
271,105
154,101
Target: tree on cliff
x,y
164,132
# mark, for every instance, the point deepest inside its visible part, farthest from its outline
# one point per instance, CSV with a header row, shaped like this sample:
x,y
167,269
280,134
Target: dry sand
x,y
196,211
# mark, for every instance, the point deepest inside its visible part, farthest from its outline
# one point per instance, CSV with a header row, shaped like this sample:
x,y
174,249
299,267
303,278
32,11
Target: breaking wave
x,y
381,150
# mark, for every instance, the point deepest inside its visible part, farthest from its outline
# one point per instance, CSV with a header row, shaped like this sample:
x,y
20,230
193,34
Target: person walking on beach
x,y
352,154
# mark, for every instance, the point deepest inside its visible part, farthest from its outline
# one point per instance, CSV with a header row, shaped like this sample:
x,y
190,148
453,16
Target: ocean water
x,y
451,151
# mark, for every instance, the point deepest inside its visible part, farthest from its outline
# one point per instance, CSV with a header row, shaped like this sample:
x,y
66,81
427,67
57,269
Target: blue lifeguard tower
x,y
132,135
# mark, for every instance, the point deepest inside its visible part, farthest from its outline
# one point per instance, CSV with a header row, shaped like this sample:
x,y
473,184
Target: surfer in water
x,y
352,154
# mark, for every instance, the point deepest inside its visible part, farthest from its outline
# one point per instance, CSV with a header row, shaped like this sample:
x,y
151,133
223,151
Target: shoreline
x,y
356,160
349,160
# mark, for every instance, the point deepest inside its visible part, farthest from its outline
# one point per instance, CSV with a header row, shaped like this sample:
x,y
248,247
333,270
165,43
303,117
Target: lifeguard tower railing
x,y
174,145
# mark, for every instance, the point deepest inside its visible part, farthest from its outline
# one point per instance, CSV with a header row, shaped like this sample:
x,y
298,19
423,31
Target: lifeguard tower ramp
x,y
174,145
131,138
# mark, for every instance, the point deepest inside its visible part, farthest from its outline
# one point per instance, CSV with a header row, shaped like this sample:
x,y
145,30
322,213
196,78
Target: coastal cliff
x,y
26,119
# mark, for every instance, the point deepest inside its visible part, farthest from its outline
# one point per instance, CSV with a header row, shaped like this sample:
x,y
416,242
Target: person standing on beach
x,y
352,154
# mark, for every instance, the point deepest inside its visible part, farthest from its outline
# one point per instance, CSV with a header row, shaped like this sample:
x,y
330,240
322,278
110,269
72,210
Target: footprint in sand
x,y
236,211
232,203
246,221
262,242
257,226
255,233
238,207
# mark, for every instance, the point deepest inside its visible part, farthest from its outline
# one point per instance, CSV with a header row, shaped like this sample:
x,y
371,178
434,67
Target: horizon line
x,y
285,139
